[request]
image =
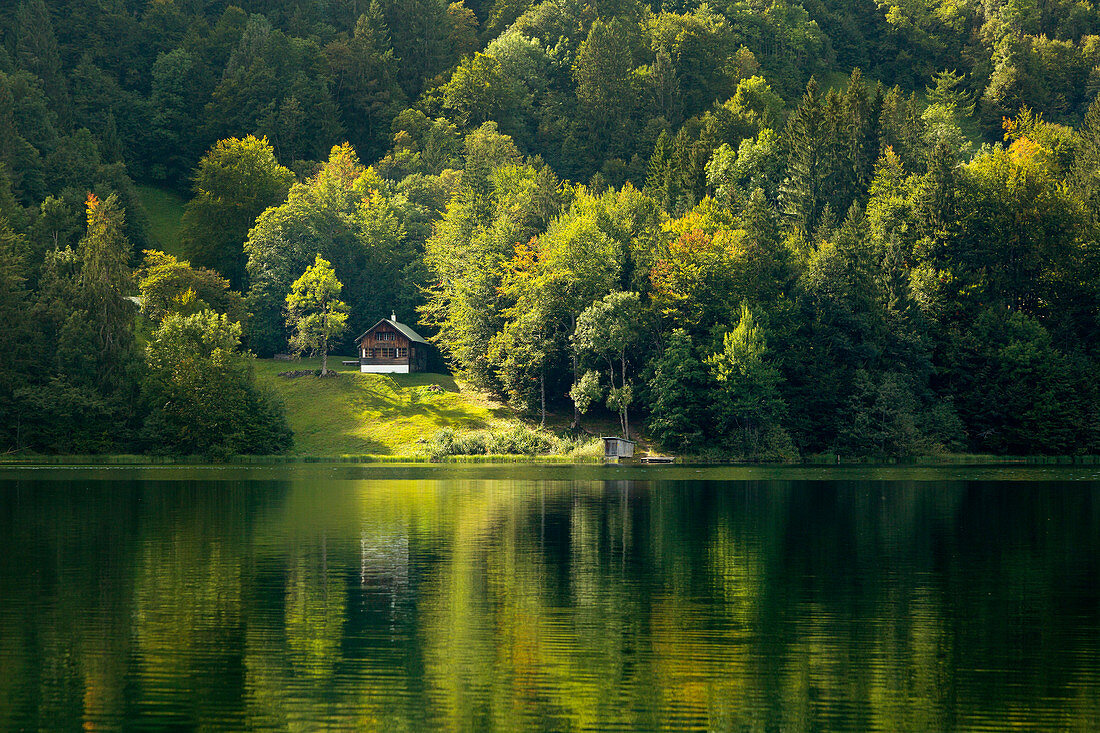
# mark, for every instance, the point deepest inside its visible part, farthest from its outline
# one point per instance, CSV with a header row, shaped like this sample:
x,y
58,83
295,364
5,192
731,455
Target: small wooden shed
x,y
390,347
618,448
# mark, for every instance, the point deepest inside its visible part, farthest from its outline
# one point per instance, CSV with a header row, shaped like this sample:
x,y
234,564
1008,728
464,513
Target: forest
x,y
751,230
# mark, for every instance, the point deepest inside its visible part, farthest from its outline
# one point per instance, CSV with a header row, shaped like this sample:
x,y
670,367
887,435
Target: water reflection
x,y
317,599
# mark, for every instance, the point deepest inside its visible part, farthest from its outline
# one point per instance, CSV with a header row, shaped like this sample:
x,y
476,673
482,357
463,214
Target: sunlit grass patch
x,y
380,414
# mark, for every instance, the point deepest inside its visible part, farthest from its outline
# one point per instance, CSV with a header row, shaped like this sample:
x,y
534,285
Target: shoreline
x,y
824,460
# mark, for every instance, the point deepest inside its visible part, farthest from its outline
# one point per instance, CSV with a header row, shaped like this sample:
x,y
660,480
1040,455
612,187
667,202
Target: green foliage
x,y
886,418
734,174
78,394
36,50
808,162
702,276
425,41
605,87
202,395
14,311
606,331
947,93
277,86
367,228
479,91
1019,394
469,254
856,221
314,311
60,416
513,440
748,408
170,286
176,100
526,351
678,406
234,183
586,392
366,87
104,283
1020,239
421,145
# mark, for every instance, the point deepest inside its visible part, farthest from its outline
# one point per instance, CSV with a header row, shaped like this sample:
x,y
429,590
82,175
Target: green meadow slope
x,y
165,211
378,414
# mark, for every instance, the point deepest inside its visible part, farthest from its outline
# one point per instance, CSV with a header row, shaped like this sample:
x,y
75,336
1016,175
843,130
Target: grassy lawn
x,y
380,414
165,210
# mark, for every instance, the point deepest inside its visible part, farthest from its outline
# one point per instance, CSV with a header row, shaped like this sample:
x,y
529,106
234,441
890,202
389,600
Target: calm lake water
x,y
476,598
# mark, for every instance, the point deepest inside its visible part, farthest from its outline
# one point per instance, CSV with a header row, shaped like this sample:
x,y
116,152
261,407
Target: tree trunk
x,y
626,419
324,355
576,412
542,396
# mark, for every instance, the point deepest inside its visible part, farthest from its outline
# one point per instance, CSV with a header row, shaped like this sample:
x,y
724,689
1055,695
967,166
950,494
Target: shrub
x,y
516,439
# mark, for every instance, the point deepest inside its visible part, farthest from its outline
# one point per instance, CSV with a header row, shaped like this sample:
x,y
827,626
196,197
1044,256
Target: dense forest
x,y
752,230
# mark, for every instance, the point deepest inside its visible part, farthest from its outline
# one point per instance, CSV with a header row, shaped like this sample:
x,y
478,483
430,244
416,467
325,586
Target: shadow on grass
x,y
401,382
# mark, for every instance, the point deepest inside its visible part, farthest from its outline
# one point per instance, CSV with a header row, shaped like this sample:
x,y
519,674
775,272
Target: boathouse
x,y
615,448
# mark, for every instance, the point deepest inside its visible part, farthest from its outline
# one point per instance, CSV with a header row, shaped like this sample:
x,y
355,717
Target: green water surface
x,y
482,598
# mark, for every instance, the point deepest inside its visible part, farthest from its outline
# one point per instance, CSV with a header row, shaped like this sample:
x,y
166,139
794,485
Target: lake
x,y
481,598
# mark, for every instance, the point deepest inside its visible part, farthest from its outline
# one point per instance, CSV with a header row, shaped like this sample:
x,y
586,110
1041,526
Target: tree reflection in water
x,y
299,599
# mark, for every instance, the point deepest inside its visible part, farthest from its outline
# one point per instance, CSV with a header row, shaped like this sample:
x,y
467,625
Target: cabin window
x,y
388,352
385,336
402,352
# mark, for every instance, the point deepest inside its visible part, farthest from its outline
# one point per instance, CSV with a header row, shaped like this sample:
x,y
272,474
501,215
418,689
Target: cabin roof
x,y
410,334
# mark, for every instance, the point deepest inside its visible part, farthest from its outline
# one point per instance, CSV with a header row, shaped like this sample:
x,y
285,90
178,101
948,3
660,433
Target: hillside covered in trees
x,y
753,230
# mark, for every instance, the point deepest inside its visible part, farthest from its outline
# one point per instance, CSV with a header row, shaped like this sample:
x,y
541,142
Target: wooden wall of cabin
x,y
372,345
416,354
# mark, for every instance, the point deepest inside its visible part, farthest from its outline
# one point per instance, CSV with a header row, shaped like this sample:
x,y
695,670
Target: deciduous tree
x,y
236,181
201,393
314,311
607,330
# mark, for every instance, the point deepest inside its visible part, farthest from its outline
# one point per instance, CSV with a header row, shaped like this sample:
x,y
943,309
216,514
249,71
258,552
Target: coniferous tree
x,y
420,31
678,406
805,191
1085,174
15,337
105,284
902,128
365,83
176,106
860,137
36,51
658,183
22,162
605,89
747,405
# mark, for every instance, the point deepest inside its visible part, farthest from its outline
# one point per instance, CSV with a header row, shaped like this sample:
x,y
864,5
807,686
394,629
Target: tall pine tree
x,y
804,194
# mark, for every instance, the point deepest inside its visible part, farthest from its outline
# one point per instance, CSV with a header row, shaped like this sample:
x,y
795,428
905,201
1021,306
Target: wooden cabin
x,y
390,347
